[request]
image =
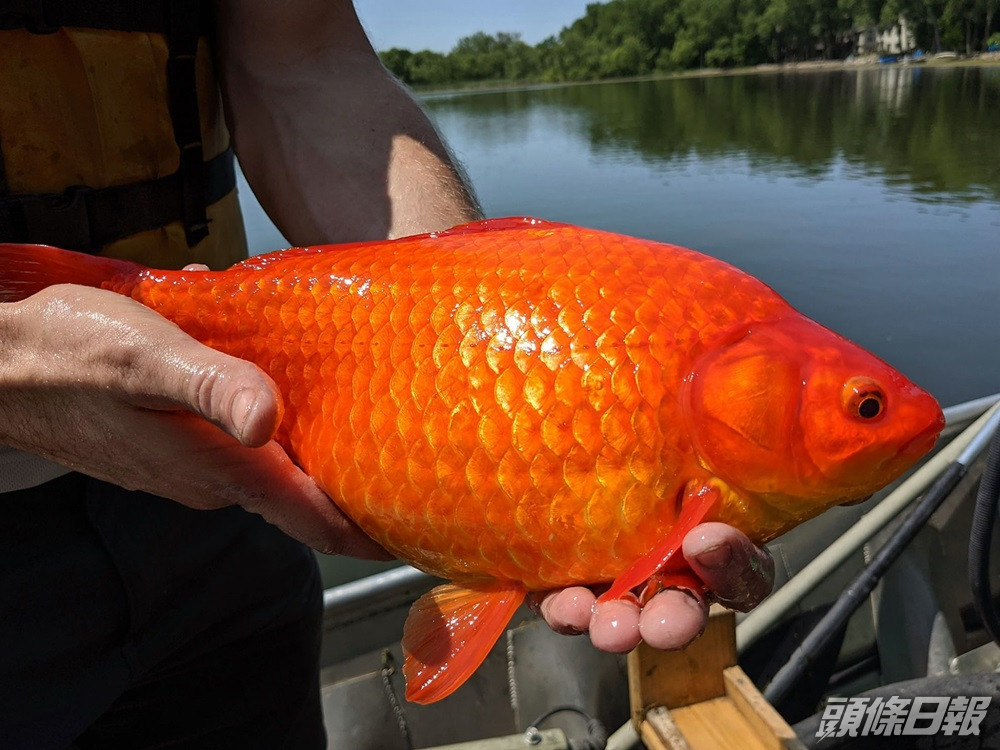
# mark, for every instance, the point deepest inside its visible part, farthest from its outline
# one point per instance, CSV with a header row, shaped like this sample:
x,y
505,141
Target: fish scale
x,y
521,405
496,356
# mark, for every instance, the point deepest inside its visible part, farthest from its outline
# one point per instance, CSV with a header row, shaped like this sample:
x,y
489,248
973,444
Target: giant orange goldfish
x,y
518,405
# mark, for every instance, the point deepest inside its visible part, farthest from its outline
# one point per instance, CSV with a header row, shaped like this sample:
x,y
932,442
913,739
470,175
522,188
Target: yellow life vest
x,y
114,140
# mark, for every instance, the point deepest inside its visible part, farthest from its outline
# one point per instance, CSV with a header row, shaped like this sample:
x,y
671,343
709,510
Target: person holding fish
x,y
128,617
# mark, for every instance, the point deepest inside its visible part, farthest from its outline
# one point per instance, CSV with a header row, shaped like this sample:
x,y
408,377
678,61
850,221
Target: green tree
x,y
629,58
398,62
636,37
430,69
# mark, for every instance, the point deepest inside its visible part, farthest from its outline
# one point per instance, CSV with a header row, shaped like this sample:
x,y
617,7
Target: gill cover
x,y
742,407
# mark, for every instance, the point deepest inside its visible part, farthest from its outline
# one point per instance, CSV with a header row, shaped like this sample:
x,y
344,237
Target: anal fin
x,y
449,632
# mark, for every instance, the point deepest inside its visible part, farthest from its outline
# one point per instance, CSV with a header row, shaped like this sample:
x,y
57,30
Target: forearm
x,y
334,148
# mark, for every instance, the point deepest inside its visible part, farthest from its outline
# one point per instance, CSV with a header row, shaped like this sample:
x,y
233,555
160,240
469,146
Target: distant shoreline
x,y
987,59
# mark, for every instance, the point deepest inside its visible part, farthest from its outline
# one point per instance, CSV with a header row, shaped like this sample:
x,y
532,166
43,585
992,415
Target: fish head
x,y
800,418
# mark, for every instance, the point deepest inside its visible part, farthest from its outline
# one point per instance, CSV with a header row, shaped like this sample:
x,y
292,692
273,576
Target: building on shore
x,y
891,39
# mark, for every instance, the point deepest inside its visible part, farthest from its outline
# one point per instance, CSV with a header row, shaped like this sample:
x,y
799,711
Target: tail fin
x,y
26,269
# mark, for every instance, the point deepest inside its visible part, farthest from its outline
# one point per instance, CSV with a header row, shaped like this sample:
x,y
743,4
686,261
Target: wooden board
x,y
659,732
716,723
699,699
767,723
679,678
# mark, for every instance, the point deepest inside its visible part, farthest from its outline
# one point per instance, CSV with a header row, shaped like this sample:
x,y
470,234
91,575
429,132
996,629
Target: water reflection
x,y
931,130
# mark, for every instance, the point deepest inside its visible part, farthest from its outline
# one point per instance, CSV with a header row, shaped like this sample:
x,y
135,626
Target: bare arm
x,y
332,145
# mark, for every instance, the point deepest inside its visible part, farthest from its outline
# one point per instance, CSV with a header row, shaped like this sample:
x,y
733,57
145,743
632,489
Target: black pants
x,y
128,621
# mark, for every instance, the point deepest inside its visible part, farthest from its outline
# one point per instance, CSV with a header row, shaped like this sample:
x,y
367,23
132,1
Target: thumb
x,y
231,393
735,570
238,398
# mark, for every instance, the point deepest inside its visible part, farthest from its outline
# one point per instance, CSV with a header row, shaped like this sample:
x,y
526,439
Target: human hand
x,y
103,385
736,573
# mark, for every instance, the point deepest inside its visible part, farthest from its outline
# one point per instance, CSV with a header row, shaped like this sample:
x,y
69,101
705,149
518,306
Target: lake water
x,y
870,199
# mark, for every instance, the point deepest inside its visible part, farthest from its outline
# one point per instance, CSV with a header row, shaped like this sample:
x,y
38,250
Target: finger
x,y
192,462
568,611
739,573
232,394
614,626
286,497
238,398
195,267
672,619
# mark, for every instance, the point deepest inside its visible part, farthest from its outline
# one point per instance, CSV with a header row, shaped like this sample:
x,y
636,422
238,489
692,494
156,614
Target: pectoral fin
x,y
700,499
449,632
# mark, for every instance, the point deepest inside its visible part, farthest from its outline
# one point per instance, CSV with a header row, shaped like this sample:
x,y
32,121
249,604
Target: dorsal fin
x,y
498,225
449,632
258,262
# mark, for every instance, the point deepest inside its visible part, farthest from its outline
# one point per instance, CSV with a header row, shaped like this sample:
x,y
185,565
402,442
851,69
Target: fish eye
x,y
864,398
870,407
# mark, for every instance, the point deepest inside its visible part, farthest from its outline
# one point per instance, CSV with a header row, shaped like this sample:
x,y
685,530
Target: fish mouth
x,y
926,439
922,443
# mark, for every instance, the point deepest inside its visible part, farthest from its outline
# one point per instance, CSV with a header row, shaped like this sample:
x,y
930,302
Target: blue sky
x,y
438,24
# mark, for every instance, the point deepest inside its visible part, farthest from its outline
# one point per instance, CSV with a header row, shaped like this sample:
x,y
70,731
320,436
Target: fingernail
x,y
693,600
243,403
716,557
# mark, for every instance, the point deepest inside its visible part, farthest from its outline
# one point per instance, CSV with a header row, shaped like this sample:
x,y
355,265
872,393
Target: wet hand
x,y
737,574
103,385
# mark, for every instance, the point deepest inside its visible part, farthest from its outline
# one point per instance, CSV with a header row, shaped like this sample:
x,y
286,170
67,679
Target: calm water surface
x,y
869,199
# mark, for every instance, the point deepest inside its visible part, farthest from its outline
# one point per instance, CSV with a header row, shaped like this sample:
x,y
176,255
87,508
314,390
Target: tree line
x,y
641,37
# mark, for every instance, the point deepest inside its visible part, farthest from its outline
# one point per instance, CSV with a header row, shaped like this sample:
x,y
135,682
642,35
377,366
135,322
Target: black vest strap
x,y
182,87
87,219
